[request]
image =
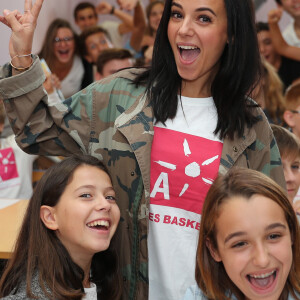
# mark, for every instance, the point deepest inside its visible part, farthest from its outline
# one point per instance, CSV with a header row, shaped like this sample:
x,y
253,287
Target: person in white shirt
x,y
292,32
15,166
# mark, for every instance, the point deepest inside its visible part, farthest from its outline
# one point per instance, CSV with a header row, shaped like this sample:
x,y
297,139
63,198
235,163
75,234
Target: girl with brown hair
x,y
63,251
249,241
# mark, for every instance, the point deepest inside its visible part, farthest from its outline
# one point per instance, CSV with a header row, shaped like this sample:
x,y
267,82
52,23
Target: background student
x,y
249,241
112,60
292,113
15,166
289,148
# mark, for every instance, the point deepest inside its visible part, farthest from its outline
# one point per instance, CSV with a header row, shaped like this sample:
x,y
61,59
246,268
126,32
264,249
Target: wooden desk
x,y
11,218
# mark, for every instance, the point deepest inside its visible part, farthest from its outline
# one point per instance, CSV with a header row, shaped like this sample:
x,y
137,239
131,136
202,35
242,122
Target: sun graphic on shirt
x,y
6,160
191,170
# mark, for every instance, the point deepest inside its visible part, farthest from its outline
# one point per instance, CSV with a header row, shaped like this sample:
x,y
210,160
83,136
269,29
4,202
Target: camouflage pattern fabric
x,y
113,121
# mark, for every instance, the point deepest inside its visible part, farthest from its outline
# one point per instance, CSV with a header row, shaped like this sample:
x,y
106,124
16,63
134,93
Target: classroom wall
x,y
64,9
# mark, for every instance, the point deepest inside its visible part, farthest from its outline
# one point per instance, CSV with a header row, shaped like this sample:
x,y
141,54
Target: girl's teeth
x,y
98,223
263,275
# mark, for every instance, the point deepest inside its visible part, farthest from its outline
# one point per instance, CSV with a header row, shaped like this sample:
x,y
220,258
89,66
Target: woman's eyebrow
x,y
198,9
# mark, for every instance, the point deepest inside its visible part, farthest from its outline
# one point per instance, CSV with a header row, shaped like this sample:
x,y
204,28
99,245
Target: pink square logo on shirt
x,y
183,167
8,165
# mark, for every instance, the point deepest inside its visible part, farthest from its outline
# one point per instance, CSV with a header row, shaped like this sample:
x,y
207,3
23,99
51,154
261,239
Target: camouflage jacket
x,y
113,120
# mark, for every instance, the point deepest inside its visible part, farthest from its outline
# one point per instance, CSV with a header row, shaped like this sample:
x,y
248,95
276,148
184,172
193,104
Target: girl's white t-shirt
x,y
91,292
185,159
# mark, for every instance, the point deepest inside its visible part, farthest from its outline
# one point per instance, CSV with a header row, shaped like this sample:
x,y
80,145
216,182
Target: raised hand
x,y
22,27
127,4
104,8
274,15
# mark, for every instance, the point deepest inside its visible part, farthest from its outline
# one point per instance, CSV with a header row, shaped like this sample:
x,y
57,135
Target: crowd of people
x,y
179,128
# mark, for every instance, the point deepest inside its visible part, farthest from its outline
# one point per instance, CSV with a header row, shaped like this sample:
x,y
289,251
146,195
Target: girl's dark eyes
x,y
86,195
274,236
110,197
239,245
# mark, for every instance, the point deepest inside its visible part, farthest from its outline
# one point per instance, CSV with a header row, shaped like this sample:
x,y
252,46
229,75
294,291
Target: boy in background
x,y
289,148
288,69
292,113
92,41
111,61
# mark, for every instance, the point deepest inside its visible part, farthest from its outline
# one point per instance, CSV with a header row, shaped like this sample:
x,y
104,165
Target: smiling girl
x,y
62,251
249,241
61,55
165,133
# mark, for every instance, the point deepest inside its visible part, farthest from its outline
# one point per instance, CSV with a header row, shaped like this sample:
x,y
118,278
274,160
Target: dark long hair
x,y
210,275
238,73
47,51
39,250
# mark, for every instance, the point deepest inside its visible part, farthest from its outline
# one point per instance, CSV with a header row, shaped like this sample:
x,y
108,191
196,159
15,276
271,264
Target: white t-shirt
x,y
91,292
290,35
112,28
185,159
15,170
71,84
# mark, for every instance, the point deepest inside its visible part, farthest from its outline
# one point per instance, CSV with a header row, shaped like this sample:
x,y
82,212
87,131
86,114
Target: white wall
x,y
64,9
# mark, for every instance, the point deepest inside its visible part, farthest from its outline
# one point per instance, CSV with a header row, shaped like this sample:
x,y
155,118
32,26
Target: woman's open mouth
x,y
188,54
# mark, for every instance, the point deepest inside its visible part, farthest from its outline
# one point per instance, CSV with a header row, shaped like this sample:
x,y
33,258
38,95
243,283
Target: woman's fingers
x,y
3,20
11,19
36,8
27,5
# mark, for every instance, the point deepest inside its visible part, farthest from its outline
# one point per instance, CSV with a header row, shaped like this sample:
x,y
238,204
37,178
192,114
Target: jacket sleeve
x,y
41,127
266,156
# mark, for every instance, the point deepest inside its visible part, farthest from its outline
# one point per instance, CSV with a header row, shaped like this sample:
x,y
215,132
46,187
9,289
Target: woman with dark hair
x,y
249,241
62,251
60,49
164,133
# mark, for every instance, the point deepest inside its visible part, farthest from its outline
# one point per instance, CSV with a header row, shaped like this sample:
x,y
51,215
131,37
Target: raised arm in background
x,y
126,25
281,46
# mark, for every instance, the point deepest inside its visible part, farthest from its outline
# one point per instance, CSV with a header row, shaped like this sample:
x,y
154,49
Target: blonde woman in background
x,y
270,94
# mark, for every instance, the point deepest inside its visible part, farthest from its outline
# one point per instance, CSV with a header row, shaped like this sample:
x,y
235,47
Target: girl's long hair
x,y
238,73
210,275
39,252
